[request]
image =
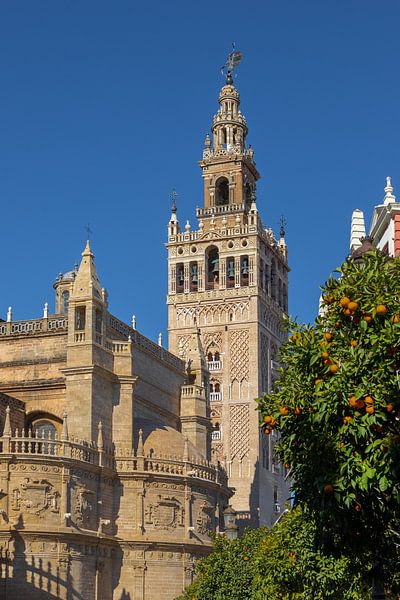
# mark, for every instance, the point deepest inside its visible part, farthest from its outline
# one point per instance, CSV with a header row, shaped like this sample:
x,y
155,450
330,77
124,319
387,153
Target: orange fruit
x,y
267,431
268,419
370,410
352,306
360,403
328,489
357,507
298,410
368,400
347,312
337,325
396,319
367,318
287,466
327,361
283,410
334,368
325,355
381,309
389,407
354,343
328,336
346,420
353,401
344,301
318,381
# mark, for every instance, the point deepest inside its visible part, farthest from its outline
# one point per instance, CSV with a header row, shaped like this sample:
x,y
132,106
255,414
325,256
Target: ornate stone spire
x,y
87,281
389,196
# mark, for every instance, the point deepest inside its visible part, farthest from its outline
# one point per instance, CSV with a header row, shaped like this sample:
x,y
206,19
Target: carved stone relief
x,y
35,497
204,519
166,513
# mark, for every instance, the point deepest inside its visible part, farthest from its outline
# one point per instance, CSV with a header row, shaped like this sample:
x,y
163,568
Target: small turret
x,y
173,226
389,196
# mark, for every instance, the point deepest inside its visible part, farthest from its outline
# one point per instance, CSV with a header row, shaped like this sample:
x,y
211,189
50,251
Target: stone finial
x,y
64,432
7,424
186,450
201,225
100,441
187,226
160,339
140,446
389,196
357,232
133,321
9,315
207,142
46,310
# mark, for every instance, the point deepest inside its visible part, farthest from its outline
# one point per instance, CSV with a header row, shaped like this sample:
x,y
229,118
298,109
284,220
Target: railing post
x,y
7,432
100,444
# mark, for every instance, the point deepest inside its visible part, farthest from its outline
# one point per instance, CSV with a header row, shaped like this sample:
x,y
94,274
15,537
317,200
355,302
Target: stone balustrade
x,y
31,444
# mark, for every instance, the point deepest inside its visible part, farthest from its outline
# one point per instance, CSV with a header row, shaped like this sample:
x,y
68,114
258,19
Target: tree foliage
x,y
337,407
278,564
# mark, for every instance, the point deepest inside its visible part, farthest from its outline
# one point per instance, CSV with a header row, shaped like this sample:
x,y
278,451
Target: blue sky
x,y
104,107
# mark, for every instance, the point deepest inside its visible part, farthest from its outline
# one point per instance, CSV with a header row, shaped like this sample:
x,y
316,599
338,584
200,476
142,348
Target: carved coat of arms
x,y
35,496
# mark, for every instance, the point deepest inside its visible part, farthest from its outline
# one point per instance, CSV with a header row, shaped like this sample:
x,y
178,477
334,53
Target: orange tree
x,y
336,406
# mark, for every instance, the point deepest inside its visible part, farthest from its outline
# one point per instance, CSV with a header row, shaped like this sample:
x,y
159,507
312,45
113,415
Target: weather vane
x,y
232,61
88,231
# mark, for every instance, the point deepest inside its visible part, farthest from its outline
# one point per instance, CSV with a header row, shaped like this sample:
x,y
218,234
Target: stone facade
x,y
228,279
107,491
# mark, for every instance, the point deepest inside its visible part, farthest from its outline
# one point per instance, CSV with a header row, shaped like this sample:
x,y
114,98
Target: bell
x,y
180,277
193,274
215,263
231,270
245,268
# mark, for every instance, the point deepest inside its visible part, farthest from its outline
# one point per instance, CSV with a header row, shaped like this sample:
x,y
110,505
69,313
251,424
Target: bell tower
x,y
228,280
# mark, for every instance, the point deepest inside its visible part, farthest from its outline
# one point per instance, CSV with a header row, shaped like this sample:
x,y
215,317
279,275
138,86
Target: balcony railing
x,y
214,365
215,396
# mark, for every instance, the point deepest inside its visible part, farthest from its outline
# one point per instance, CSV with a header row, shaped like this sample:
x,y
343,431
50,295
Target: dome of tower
x,y
161,439
229,91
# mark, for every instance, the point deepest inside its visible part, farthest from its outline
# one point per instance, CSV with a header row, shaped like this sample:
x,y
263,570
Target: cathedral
x,y
118,458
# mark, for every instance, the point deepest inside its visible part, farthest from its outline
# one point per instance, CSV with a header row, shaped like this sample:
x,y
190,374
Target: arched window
x,y
230,272
194,276
221,192
180,277
212,268
65,302
216,432
46,433
244,270
247,195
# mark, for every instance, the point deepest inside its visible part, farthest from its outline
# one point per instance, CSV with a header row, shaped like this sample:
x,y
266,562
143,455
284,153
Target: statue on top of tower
x,y
232,61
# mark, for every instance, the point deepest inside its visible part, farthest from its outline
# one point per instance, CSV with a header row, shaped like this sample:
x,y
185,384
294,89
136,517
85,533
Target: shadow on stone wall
x,y
26,576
